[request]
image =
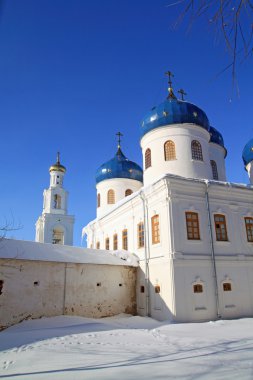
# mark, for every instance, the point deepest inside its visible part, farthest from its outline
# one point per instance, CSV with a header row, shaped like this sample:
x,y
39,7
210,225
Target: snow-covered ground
x,y
126,347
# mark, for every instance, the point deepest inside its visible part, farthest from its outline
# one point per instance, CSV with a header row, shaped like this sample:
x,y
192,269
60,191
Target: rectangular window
x,y
192,225
197,288
227,287
124,240
249,228
115,242
107,243
142,289
220,227
140,235
155,229
157,289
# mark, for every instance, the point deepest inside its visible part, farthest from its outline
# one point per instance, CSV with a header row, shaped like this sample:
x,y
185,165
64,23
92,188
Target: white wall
x,y
119,185
176,263
34,289
182,135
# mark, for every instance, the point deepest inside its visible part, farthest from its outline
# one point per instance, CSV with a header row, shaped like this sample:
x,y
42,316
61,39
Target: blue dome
x,y
173,111
119,167
247,153
216,136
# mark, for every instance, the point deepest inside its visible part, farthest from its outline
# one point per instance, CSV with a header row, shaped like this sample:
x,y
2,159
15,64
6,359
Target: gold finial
x,y
182,93
170,89
57,166
119,134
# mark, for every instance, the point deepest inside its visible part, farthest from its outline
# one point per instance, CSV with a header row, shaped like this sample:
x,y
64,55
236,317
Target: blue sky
x,y
73,73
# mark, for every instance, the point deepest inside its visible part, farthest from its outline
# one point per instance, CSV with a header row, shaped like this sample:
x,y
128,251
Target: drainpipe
x,y
146,254
172,244
213,253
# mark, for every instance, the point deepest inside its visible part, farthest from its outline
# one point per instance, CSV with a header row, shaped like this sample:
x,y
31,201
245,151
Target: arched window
x,y
58,236
197,151
110,197
98,200
214,169
147,158
128,192
57,201
169,151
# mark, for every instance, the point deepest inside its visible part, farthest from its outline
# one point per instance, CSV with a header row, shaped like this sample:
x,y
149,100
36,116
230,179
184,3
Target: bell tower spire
x,y
55,225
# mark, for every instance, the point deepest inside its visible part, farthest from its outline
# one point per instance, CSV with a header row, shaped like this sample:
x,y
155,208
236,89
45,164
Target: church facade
x,y
191,229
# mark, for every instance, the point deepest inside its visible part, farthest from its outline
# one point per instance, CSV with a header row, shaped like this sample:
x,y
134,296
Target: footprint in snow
x,y
7,364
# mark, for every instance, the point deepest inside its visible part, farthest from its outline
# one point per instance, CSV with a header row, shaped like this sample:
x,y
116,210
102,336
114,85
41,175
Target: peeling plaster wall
x,y
34,289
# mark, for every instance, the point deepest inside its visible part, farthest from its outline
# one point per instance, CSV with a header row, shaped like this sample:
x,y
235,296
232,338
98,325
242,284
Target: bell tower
x,y
55,225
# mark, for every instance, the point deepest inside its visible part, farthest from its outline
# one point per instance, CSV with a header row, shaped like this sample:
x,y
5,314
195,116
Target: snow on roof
x,y
29,250
163,177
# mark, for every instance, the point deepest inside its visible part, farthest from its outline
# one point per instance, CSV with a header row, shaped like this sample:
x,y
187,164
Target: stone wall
x,y
34,289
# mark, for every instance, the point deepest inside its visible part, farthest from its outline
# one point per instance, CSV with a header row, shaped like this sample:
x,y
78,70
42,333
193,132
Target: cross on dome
x,y
182,93
119,134
170,89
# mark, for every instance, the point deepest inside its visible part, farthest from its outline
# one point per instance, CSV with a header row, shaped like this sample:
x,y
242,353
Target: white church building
x,y
190,227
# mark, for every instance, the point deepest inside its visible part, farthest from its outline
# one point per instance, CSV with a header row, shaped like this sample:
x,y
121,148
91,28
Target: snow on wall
x,y
34,289
29,250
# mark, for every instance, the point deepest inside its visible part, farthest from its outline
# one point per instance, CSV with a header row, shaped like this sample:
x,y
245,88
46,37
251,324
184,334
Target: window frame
x,y
198,288
110,197
107,243
169,150
148,158
98,200
224,223
214,170
190,225
249,228
155,228
140,235
227,286
128,192
115,242
196,150
125,239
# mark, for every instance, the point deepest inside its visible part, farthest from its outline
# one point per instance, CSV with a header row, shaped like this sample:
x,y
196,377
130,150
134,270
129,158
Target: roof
x,y
173,111
216,136
29,250
119,167
247,153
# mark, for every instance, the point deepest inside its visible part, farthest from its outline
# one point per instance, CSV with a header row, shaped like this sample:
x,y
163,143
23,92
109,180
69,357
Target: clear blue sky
x,y
73,73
